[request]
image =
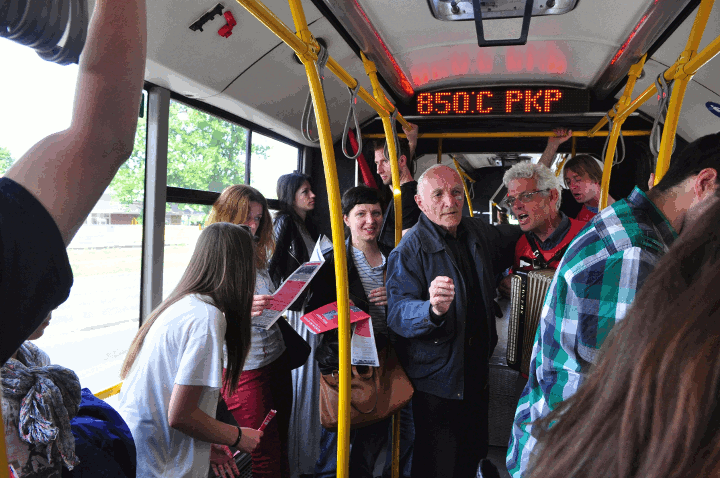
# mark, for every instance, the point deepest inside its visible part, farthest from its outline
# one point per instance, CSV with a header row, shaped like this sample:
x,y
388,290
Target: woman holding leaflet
x,y
173,370
265,383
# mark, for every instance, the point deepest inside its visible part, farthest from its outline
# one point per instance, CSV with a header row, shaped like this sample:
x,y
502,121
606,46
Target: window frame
x,y
156,186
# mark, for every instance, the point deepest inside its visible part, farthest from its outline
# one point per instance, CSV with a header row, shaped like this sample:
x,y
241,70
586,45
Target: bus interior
x,y
432,70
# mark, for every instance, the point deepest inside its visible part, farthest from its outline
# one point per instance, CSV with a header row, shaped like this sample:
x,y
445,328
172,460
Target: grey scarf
x,y
46,397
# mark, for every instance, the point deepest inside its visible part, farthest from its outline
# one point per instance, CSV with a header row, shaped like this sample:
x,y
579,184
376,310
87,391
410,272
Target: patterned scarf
x,y
48,397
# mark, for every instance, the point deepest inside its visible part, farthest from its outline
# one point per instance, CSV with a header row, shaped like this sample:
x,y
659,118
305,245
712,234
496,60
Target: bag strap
x,y
542,263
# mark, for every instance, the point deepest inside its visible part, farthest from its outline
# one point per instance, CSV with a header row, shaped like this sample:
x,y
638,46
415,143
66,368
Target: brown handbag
x,y
376,392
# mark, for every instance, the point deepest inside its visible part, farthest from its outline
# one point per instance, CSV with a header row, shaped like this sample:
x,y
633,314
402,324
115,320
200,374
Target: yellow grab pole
x,y
558,170
607,168
371,71
307,49
109,392
439,153
677,69
702,58
682,79
670,128
336,223
506,134
574,147
464,176
620,117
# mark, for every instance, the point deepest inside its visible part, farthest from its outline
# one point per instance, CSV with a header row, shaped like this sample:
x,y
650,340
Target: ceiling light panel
x,y
451,10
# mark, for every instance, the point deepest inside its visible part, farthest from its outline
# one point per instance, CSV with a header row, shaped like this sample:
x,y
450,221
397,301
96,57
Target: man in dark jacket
x,y
441,285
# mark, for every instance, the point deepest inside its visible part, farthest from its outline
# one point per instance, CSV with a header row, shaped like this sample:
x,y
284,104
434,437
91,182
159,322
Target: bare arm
x,y
68,171
185,416
412,137
554,142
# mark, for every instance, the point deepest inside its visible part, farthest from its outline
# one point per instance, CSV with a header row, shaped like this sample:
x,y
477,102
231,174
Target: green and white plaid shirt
x,y
593,288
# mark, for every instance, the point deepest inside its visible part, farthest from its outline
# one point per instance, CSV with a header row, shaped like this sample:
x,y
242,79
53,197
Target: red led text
x,y
481,102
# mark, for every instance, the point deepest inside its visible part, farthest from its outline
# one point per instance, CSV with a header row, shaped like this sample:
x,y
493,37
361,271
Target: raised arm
x,y
554,142
412,137
68,171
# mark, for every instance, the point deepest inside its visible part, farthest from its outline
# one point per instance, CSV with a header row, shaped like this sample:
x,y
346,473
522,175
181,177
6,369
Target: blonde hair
x,y
233,206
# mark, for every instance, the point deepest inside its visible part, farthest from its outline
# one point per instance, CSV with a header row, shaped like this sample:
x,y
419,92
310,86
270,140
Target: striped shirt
x,y
593,288
372,278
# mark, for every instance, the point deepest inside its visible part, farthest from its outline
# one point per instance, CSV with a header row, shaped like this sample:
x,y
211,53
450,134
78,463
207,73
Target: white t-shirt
x,y
184,346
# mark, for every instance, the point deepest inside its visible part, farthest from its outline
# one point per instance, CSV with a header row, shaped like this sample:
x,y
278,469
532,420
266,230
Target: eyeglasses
x,y
523,197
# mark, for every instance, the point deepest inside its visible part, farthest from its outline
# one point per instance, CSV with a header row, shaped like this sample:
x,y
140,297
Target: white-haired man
x,y
441,286
534,198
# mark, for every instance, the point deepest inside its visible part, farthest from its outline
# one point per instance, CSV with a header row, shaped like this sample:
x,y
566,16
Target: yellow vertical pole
x,y
465,177
371,71
574,147
336,223
679,88
561,164
620,117
439,153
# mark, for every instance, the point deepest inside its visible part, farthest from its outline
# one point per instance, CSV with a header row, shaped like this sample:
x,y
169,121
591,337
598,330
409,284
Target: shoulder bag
x,y
376,392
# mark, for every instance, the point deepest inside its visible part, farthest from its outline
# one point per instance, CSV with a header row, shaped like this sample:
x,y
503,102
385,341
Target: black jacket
x,y
290,252
323,291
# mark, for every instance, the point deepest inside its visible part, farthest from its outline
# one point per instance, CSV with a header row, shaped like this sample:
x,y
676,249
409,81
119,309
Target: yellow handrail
x,y
682,79
390,141
463,177
620,117
506,134
333,189
109,392
371,71
306,47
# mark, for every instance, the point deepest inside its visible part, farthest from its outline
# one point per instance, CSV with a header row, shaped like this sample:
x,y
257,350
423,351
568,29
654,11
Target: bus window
x,y
91,332
32,106
270,159
205,152
183,224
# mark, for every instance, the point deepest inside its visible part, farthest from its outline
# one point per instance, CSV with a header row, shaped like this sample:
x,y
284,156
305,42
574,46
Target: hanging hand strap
x,y
393,125
664,90
352,114
617,159
307,114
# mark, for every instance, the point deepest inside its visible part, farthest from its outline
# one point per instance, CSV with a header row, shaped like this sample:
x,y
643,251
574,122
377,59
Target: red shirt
x,y
523,249
585,214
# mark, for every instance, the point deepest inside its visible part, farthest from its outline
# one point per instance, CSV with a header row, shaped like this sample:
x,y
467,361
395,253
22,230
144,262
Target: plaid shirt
x,y
593,288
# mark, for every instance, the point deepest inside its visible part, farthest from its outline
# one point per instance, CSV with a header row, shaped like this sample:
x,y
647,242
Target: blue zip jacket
x,y
433,354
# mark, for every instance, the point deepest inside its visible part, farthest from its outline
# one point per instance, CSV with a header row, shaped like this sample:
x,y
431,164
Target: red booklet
x,y
326,317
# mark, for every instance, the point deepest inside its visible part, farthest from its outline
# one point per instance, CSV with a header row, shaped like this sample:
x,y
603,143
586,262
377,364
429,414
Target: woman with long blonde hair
x,y
173,370
265,383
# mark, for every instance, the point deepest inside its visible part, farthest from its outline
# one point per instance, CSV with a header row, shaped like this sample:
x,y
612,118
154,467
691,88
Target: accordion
x,y
527,295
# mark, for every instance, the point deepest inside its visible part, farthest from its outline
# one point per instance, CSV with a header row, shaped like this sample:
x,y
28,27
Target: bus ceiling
x,y
589,45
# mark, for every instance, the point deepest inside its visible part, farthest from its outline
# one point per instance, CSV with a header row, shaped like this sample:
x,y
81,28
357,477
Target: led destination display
x,y
502,101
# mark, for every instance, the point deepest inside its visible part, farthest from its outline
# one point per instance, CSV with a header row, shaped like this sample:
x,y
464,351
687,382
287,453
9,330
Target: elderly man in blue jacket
x,y
441,287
